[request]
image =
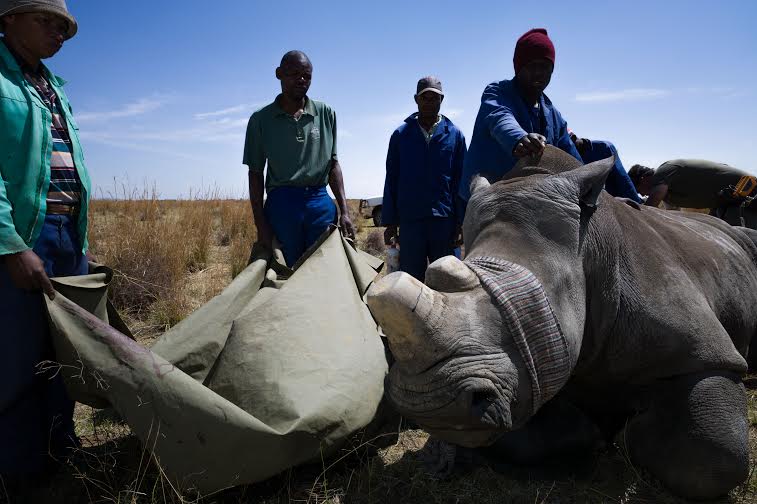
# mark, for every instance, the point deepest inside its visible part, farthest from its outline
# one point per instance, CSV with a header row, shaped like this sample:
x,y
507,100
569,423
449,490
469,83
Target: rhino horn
x,y
403,307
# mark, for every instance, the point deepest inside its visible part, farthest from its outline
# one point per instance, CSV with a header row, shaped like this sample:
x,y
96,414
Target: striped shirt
x,y
65,187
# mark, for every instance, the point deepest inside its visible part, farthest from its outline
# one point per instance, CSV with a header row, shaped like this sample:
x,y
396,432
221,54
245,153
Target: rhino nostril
x,y
480,402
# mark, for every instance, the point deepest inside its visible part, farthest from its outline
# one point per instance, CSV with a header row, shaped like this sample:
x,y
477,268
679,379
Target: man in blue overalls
x,y
423,169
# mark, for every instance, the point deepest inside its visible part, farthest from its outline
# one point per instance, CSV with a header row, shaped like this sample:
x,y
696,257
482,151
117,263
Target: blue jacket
x,y
422,180
503,119
618,182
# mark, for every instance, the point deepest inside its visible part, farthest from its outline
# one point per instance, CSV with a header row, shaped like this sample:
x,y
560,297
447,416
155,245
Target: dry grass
x,y
171,257
159,250
374,243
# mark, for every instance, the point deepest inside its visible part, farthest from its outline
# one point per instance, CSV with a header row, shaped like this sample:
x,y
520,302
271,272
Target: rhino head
x,y
461,370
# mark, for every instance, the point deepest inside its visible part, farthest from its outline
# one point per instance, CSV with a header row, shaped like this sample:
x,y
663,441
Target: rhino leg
x,y
559,430
692,434
557,440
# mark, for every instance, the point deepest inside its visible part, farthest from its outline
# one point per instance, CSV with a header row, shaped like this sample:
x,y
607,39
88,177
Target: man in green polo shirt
x,y
295,138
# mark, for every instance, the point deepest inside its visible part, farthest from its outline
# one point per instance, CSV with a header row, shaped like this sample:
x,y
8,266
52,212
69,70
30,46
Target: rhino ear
x,y
478,183
590,180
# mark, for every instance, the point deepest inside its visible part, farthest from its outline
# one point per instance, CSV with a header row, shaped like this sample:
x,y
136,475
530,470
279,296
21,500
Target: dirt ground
x,y
381,468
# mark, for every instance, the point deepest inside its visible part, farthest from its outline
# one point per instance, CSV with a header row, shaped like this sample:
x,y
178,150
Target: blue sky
x,y
162,90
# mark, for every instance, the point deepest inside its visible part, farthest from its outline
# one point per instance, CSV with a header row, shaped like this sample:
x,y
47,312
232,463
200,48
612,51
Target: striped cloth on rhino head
x,y
530,321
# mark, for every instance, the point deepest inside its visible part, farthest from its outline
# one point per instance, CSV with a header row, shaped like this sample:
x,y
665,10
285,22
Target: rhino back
x,y
552,161
668,293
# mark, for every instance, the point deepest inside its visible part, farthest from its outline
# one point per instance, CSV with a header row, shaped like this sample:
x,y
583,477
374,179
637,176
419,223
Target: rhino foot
x,y
692,434
440,458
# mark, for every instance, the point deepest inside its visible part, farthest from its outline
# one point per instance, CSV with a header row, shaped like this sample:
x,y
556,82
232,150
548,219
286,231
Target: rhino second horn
x,y
450,274
402,306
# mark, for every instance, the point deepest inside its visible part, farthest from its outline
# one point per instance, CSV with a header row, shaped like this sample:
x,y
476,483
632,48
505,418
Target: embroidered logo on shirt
x,y
315,134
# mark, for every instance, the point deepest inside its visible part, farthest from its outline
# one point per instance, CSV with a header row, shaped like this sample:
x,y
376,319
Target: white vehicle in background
x,y
371,208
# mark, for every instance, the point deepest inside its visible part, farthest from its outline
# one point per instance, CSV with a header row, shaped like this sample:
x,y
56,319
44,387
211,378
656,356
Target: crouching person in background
x,y
43,233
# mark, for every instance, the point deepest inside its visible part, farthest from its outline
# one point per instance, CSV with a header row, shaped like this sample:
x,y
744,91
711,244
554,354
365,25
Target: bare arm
x,y
657,195
256,185
336,182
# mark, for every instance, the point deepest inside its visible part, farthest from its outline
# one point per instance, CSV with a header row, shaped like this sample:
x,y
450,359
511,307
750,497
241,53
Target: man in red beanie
x,y
517,119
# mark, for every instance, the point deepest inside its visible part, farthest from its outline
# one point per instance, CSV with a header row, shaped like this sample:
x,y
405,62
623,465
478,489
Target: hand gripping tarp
x,y
269,374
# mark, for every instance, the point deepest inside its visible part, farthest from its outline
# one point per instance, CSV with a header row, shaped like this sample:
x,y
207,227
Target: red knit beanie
x,y
533,45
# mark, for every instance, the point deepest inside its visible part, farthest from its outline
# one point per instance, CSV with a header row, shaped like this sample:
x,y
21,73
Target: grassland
x,y
170,257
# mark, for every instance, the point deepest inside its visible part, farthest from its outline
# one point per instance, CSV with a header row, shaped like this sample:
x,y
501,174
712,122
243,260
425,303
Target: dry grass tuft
x,y
145,247
374,243
238,232
155,246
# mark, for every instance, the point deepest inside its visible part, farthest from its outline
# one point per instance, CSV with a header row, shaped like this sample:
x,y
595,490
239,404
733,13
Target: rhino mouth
x,y
454,397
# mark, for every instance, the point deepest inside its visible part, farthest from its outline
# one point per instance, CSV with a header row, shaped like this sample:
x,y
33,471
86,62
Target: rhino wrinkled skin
x,y
657,307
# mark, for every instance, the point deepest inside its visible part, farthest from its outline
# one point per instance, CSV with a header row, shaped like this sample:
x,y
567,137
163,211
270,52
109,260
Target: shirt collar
x,y
433,126
414,118
309,108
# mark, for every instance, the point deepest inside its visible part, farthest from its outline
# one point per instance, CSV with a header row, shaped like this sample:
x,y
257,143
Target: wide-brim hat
x,y
57,7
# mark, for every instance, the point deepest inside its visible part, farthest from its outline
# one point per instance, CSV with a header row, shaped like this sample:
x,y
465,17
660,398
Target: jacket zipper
x,y
41,179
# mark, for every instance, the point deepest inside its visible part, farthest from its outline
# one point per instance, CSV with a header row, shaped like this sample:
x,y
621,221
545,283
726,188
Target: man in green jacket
x,y
44,191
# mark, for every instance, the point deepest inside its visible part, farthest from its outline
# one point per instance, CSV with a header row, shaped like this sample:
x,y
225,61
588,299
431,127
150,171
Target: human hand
x,y
629,202
530,145
265,234
458,236
345,223
581,143
27,271
390,235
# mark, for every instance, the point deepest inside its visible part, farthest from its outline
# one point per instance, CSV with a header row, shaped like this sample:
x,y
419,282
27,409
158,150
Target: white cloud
x,y
224,130
132,144
230,122
139,107
228,111
635,94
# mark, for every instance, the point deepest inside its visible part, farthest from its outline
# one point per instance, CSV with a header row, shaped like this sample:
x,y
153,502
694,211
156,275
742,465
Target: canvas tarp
x,y
270,373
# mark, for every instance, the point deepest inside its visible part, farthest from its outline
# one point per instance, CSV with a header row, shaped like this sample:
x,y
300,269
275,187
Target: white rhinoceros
x,y
639,317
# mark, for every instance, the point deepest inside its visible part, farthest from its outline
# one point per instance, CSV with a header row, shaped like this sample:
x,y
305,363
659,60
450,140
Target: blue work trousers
x,y
423,241
298,216
618,182
36,414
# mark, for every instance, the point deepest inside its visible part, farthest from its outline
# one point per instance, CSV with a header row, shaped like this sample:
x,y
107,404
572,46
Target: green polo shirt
x,y
298,151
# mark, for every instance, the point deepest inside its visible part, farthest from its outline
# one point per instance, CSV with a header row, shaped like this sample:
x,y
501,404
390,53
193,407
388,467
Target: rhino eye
x,y
482,398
